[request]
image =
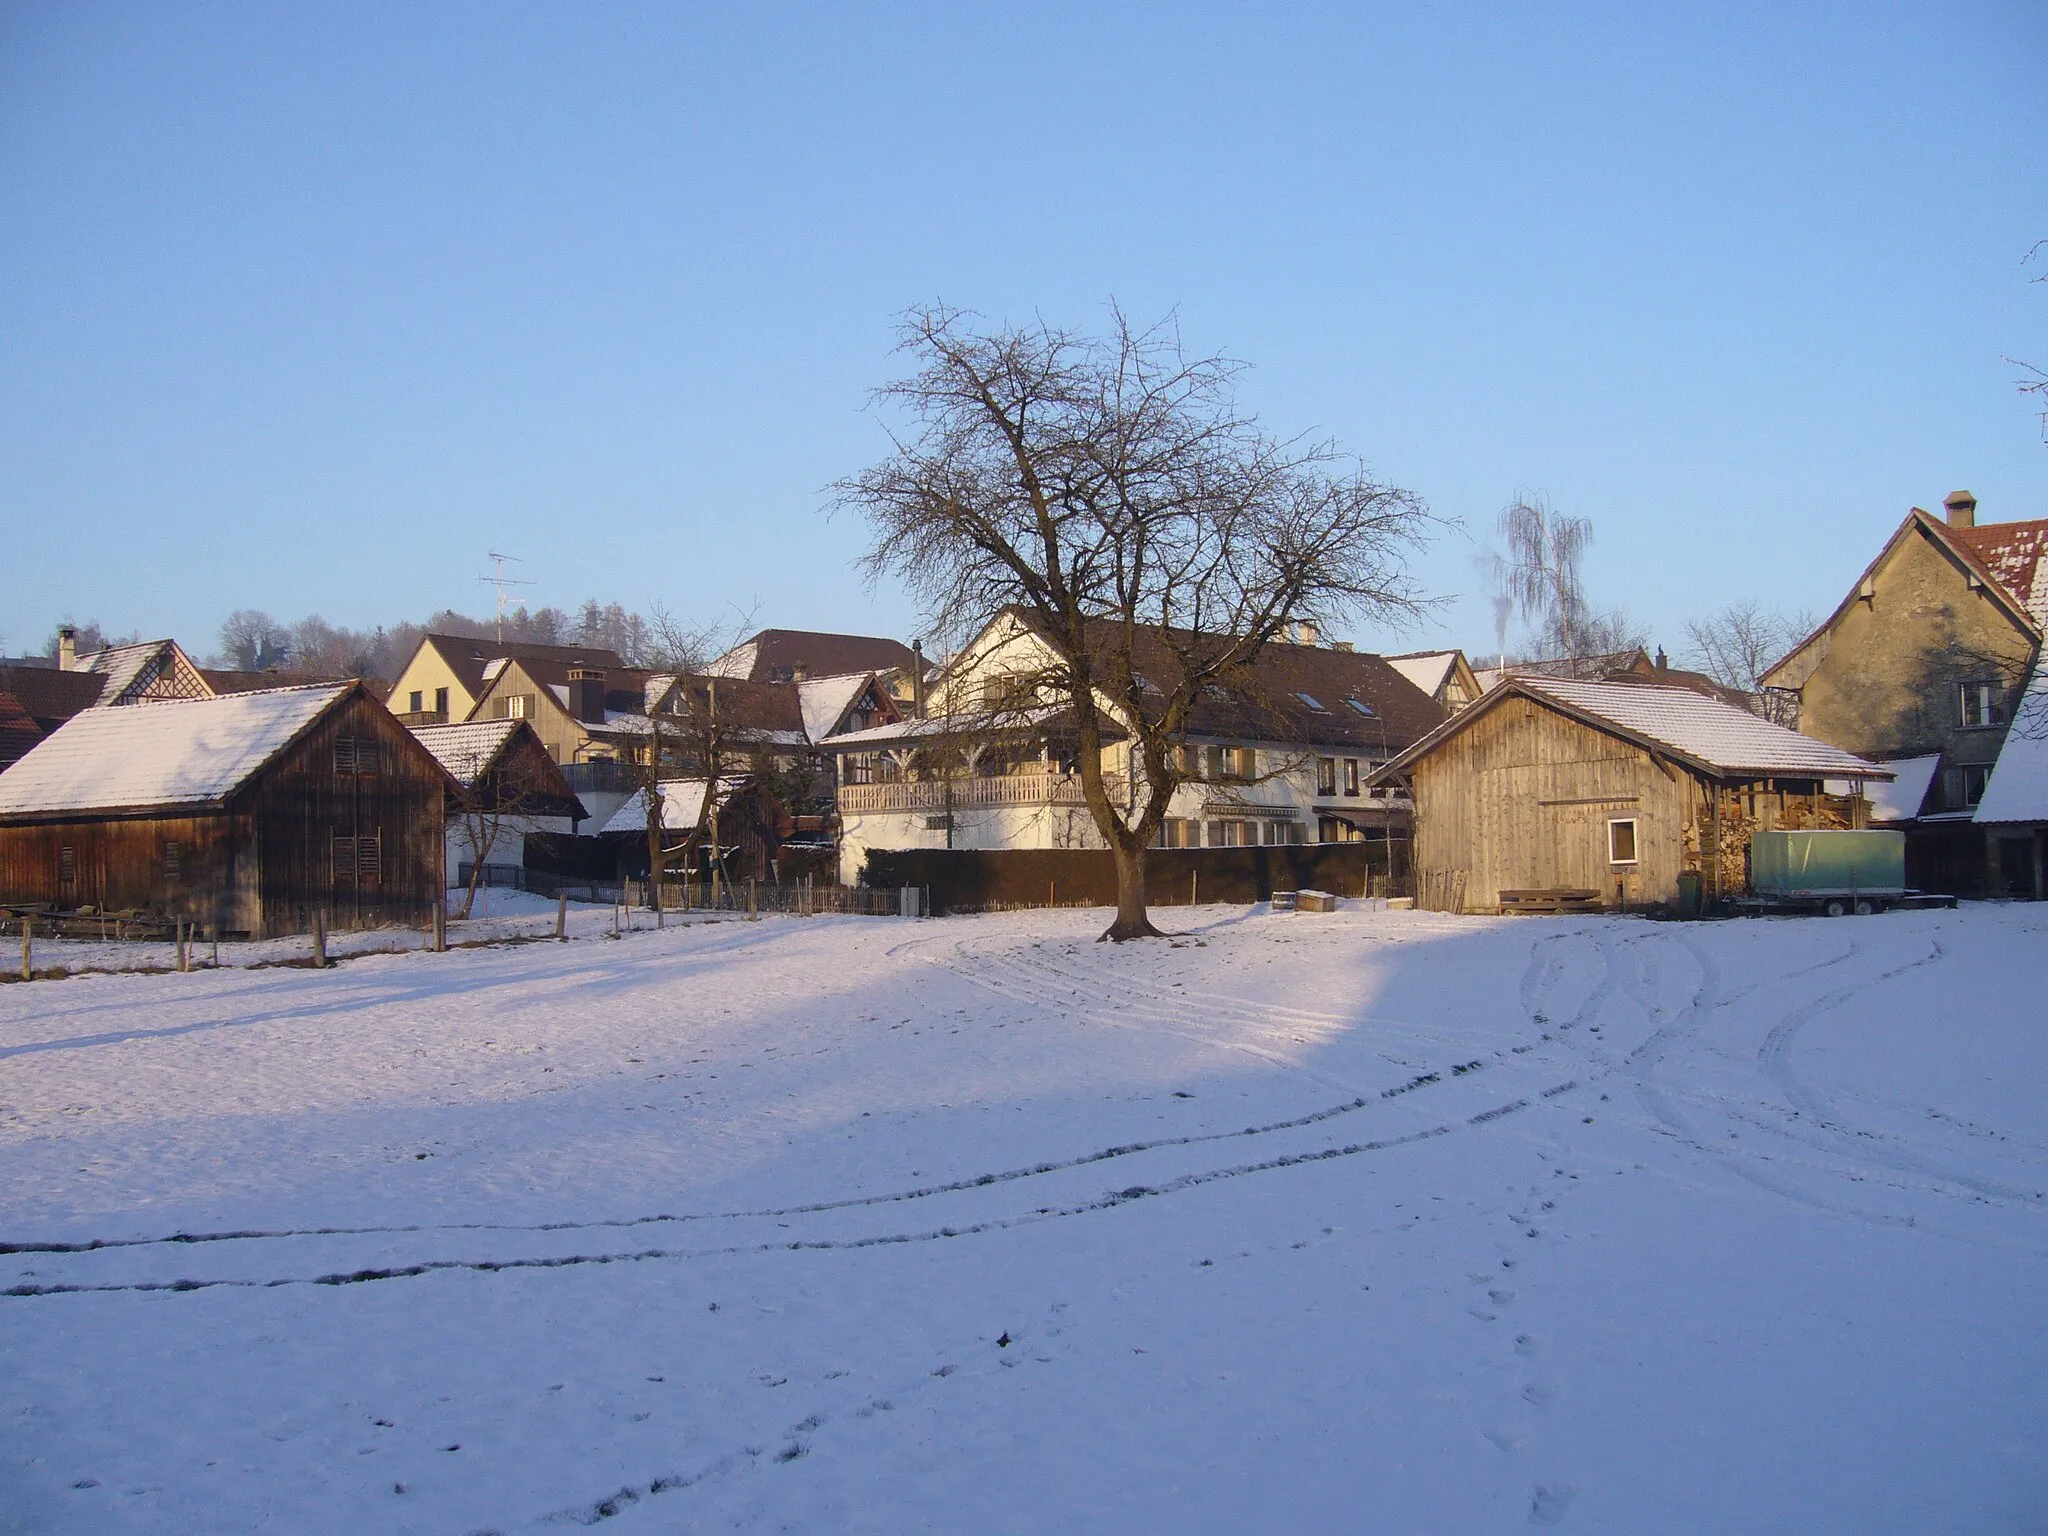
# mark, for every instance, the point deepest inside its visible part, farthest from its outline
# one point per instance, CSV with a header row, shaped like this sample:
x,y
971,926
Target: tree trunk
x,y
1132,919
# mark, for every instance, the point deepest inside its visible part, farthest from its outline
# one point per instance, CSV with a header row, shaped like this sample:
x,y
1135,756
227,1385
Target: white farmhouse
x,y
1279,755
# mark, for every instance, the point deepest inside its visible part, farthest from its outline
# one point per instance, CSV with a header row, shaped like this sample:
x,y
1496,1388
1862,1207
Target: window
x,y
1350,775
1239,763
1978,704
1281,832
519,707
416,702
358,860
1326,775
355,755
440,701
174,860
67,867
1621,841
1228,834
1363,709
1966,785
1312,702
1179,832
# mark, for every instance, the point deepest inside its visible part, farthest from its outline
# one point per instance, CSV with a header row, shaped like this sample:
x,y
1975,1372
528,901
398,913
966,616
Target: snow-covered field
x,y
1381,1222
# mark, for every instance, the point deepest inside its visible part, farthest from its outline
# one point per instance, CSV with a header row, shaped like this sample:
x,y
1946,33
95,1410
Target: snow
x,y
1427,670
1711,733
1901,799
1370,1221
825,700
682,803
2018,787
466,750
182,752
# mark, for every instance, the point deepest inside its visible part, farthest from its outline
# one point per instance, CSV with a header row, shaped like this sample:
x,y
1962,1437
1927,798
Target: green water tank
x,y
1826,863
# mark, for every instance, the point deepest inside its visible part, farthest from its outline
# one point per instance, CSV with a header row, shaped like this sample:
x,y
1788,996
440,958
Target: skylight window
x,y
1363,709
1312,702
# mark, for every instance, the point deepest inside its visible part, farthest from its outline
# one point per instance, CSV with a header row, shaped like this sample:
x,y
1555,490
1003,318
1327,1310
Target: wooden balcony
x,y
937,796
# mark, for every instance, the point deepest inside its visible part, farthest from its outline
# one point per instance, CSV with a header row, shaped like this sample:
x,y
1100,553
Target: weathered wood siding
x,y
1521,799
193,867
321,798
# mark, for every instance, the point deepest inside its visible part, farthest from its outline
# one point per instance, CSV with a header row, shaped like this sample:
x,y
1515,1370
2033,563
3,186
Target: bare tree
x,y
1110,490
1541,574
493,797
2036,382
1738,644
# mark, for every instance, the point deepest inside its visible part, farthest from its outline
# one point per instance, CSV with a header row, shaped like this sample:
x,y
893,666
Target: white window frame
x,y
1635,841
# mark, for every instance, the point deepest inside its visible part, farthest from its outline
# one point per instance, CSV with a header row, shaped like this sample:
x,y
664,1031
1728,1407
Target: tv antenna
x,y
501,581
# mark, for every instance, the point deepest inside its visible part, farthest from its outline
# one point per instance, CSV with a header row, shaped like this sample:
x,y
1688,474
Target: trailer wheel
x,y
1865,908
1836,908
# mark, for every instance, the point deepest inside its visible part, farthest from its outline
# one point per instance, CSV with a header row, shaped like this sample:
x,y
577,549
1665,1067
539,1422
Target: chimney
x,y
67,648
1961,507
1663,661
1304,633
800,673
586,694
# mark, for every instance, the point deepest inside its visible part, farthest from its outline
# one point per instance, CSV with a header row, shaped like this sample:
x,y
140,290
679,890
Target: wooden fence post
x,y
562,916
753,902
28,924
178,938
319,938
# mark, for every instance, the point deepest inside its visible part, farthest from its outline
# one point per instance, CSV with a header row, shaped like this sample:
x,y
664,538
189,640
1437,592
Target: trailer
x,y
1833,873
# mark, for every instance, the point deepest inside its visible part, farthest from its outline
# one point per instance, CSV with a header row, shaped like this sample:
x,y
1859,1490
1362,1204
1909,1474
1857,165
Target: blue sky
x,y
307,307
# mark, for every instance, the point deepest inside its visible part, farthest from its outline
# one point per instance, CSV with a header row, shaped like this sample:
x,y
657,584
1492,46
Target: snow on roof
x,y
2018,787
179,752
682,802
737,662
1426,671
1709,732
1901,799
466,750
825,699
2017,554
934,726
133,672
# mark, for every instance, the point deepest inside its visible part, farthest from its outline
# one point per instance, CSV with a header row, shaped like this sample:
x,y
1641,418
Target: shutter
x,y
174,860
344,859
67,866
370,859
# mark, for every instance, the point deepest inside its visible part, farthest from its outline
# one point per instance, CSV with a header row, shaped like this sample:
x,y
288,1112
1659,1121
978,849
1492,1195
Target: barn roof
x,y
51,696
18,729
186,752
1689,727
467,750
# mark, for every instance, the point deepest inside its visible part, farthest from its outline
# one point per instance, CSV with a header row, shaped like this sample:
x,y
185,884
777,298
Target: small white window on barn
x,y
1621,840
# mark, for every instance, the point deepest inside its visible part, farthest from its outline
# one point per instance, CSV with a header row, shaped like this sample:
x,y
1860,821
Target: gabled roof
x,y
1308,695
1427,670
824,701
466,656
150,669
2013,554
51,697
467,750
189,752
774,655
625,688
18,729
2018,788
1701,732
682,802
1963,546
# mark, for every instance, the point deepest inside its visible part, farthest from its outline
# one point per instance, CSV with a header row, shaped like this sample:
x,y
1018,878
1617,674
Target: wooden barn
x,y
244,813
506,786
1610,790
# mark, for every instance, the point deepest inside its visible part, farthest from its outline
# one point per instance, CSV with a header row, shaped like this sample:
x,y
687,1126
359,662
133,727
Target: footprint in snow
x,y
1547,1506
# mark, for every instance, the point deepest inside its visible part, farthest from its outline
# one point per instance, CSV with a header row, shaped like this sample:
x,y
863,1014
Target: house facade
x,y
1921,666
504,787
246,813
1284,754
1613,789
447,675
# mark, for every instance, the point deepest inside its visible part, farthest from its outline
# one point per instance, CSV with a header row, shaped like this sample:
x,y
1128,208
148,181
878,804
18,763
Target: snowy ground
x,y
1383,1222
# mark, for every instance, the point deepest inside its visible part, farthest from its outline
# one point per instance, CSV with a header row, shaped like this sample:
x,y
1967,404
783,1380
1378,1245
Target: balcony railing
x,y
935,796
602,777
